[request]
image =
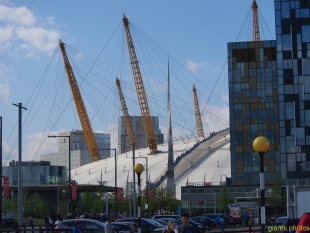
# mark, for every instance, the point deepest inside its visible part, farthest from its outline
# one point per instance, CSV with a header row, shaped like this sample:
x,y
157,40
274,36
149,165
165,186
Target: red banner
x,y
6,186
74,192
150,194
119,194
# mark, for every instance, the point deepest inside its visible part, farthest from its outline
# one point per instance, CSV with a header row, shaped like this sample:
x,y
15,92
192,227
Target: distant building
x,y
79,150
138,130
35,173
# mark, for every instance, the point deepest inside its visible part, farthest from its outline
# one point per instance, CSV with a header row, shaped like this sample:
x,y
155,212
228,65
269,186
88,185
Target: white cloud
x,y
37,38
16,15
194,66
20,30
6,73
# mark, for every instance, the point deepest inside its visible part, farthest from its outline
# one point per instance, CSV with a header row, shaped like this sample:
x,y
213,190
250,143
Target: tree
x,y
9,205
93,202
223,199
34,204
274,200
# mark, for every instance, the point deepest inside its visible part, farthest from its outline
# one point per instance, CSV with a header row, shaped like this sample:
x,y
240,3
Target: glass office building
x,y
253,105
35,173
139,133
293,53
79,150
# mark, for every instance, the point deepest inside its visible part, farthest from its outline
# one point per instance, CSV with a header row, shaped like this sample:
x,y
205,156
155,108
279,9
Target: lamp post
x,y
139,169
69,183
147,187
261,145
115,167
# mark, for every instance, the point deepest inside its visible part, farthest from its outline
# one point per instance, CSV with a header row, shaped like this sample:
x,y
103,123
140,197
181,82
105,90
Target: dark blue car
x,y
219,218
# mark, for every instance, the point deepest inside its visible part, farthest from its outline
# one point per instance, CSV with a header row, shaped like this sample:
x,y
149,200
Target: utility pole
x,y
20,181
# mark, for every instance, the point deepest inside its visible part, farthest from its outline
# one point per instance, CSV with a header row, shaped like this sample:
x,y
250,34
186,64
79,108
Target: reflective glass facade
x,y
36,173
138,130
253,105
293,52
79,150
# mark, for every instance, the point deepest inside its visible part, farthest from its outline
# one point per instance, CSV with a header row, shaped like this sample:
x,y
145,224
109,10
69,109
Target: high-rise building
x,y
293,55
253,104
139,133
269,95
79,150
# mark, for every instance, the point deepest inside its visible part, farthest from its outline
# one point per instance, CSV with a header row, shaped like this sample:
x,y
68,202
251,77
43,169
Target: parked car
x,y
199,227
87,225
219,218
147,225
119,216
166,216
230,220
160,221
122,227
132,224
281,220
178,221
9,223
206,222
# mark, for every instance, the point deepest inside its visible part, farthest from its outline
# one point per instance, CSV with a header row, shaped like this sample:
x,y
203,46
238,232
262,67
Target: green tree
x,y
274,200
93,202
34,204
9,205
223,199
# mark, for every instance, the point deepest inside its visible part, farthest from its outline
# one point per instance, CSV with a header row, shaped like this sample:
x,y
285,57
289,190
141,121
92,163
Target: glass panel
x,y
307,117
300,136
305,30
289,110
307,84
304,13
306,66
285,9
291,162
290,144
286,41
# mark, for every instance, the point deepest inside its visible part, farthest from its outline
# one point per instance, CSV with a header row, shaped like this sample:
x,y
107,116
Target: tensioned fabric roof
x,y
199,165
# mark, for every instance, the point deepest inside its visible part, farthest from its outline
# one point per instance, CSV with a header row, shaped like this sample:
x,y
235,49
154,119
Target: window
x,y
305,30
287,43
306,66
290,144
291,162
285,9
289,110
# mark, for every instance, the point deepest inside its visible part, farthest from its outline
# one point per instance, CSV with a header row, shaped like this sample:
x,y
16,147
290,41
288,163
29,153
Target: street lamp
x,y
69,183
115,181
139,169
261,145
147,187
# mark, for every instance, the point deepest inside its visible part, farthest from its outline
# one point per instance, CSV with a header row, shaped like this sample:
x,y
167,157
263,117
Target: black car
x,y
166,216
206,222
87,225
122,226
230,220
147,225
199,227
9,223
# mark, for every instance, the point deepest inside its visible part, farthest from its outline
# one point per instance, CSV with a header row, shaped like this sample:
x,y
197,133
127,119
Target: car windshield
x,y
151,222
281,220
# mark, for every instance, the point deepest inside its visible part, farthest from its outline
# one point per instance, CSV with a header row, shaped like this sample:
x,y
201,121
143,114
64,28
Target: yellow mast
x,y
80,107
143,103
197,113
131,137
256,34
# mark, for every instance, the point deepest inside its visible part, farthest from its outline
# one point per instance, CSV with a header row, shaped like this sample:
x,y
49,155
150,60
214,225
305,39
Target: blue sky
x,y
193,34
